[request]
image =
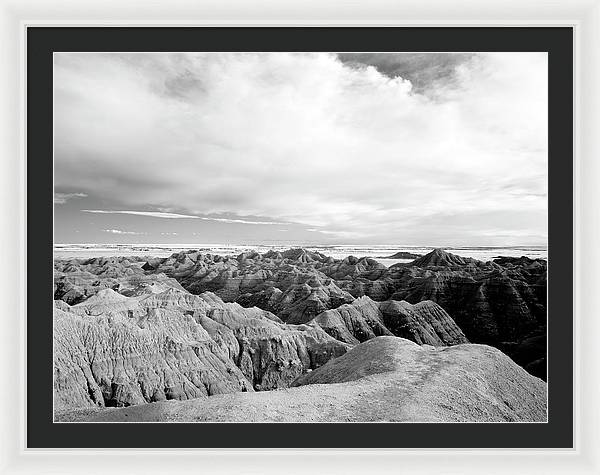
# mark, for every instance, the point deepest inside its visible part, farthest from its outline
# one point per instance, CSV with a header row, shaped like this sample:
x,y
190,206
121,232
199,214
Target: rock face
x,y
353,323
300,301
383,379
270,354
425,323
363,319
114,350
288,284
120,361
77,279
529,353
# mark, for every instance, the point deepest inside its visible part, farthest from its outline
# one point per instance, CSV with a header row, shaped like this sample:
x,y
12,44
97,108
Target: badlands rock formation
x,y
500,303
363,319
113,350
403,255
287,284
425,323
382,379
77,279
131,331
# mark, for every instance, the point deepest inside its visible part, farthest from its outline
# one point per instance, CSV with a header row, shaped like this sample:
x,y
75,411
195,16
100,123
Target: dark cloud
x,y
426,71
170,74
182,84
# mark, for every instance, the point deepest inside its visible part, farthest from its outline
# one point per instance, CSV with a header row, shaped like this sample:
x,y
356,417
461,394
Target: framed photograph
x,y
348,241
323,236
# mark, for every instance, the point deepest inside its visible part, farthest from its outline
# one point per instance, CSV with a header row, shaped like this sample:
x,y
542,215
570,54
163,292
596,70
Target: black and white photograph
x,y
300,237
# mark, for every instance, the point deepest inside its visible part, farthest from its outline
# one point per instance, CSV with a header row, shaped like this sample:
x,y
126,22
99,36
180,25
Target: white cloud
x,y
152,214
305,138
119,231
62,198
160,214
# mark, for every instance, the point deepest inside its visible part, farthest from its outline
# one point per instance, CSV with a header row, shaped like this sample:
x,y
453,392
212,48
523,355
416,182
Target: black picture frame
x,y
42,432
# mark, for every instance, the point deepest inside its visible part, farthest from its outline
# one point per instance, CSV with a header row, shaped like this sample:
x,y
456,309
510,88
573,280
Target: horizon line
x,y
303,244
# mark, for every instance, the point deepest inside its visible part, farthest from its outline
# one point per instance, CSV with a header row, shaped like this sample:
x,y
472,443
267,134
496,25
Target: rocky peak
x,y
440,258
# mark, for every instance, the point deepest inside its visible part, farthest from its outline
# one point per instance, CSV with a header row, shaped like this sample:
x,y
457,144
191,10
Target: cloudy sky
x,y
319,148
